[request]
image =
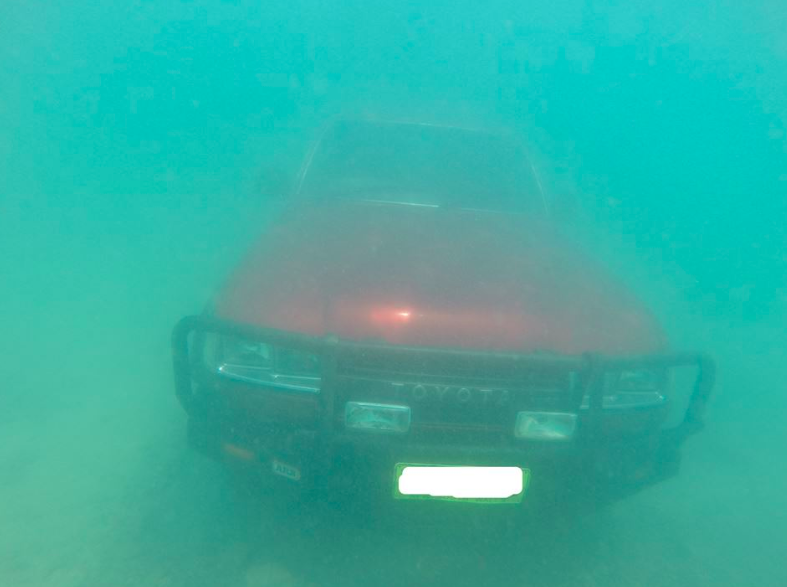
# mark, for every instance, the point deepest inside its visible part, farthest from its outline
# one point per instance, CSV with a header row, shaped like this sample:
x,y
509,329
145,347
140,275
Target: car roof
x,y
420,123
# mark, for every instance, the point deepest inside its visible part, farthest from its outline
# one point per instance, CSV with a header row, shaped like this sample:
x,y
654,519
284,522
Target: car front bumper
x,y
300,443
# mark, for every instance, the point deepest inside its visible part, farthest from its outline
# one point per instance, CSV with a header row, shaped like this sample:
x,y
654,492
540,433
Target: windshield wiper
x,y
399,203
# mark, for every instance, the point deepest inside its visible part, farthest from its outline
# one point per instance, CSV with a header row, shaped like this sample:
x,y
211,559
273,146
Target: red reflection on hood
x,y
434,277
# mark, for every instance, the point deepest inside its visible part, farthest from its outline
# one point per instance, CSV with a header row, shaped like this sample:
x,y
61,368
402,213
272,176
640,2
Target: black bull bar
x,y
592,366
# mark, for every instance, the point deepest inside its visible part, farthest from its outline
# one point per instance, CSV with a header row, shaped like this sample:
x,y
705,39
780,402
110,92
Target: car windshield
x,y
422,164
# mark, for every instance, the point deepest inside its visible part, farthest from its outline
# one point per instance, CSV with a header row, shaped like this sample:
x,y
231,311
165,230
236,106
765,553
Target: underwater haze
x,y
144,147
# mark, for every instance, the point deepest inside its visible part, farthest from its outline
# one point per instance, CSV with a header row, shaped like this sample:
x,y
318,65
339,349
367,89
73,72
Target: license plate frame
x,y
400,468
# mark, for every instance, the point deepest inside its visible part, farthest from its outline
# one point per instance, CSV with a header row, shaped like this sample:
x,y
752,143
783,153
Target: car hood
x,y
423,276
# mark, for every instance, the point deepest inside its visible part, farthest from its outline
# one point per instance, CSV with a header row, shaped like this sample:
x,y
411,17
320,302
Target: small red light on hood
x,y
391,315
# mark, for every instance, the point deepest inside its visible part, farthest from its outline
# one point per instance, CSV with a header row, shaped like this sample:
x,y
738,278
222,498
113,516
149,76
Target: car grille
x,y
412,364
457,393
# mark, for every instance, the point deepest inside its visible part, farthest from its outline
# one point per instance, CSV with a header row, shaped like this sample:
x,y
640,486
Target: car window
x,y
422,164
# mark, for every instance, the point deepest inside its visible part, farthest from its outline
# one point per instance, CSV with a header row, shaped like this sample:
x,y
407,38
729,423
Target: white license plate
x,y
454,483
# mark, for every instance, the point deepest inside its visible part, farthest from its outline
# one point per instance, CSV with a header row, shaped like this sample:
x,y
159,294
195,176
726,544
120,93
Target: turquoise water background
x,y
137,143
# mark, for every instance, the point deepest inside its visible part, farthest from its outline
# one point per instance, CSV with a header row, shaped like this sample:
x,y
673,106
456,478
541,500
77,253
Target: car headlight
x,y
635,388
264,364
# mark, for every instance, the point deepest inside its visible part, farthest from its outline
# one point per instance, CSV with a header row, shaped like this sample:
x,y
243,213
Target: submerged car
x,y
414,328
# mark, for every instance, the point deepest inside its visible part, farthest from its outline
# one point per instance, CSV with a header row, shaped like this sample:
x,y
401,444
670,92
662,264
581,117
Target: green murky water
x,y
136,140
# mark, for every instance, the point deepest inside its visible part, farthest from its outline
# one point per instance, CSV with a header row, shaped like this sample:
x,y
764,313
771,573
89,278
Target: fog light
x,y
545,425
377,417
